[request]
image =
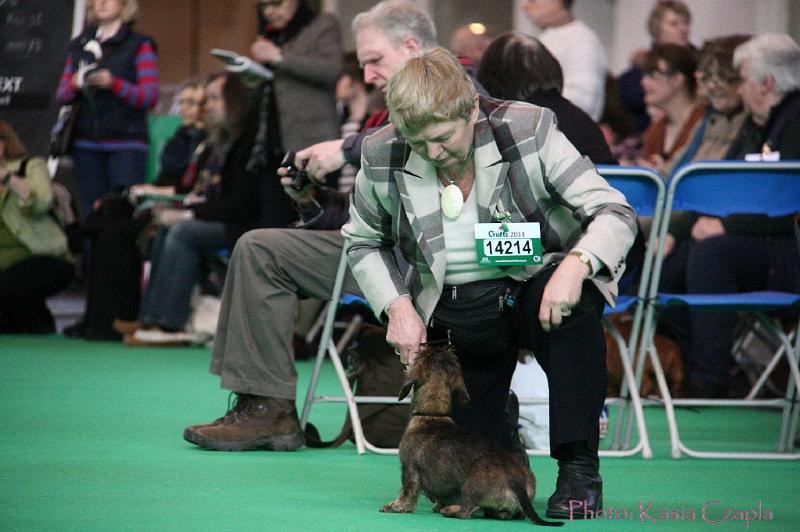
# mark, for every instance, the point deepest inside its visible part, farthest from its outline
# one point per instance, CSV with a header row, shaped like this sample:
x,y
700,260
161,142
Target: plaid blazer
x,y
523,165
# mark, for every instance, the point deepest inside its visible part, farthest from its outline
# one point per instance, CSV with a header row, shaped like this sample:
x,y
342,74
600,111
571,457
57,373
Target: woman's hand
x,y
562,292
654,162
405,332
102,79
706,227
265,51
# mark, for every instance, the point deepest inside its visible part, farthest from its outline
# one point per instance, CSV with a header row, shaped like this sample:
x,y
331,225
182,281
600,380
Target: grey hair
x,y
399,19
774,54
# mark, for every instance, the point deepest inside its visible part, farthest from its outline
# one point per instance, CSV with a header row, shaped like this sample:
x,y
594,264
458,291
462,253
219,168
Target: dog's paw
x,y
395,507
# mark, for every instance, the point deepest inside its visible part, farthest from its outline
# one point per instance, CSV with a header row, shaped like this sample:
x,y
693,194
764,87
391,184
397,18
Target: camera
x,y
300,178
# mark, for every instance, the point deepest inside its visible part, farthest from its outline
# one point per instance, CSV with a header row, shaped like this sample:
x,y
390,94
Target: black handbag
x,y
61,135
480,315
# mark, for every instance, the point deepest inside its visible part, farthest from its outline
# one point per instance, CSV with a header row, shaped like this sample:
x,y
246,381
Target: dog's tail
x,y
527,507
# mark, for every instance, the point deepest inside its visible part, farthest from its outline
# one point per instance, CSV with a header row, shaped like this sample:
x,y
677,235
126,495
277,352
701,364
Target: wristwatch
x,y
584,258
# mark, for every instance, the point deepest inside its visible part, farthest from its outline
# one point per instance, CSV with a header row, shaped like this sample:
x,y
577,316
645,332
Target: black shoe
x,y
579,488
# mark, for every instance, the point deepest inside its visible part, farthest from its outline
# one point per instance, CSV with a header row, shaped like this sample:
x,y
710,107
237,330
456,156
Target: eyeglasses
x,y
658,74
264,4
722,79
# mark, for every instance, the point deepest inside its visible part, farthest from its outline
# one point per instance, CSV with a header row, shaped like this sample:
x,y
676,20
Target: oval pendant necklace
x,y
452,200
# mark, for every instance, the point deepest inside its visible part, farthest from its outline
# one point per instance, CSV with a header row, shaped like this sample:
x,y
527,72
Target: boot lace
x,y
241,405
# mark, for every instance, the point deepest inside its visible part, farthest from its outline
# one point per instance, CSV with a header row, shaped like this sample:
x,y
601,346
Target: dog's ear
x,y
458,392
405,389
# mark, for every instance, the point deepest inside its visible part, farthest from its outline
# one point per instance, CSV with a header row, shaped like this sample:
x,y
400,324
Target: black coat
x,y
246,198
578,126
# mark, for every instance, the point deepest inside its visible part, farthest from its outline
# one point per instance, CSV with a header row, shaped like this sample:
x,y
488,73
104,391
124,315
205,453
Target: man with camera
x,y
270,269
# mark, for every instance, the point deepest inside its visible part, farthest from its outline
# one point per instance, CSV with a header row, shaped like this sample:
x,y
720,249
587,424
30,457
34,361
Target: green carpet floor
x,y
91,440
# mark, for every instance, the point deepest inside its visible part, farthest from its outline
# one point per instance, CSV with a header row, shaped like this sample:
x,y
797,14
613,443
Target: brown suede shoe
x,y
124,326
254,423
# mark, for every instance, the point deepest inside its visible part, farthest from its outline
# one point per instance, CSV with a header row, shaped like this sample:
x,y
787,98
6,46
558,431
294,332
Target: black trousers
x,y
114,267
23,289
726,264
572,356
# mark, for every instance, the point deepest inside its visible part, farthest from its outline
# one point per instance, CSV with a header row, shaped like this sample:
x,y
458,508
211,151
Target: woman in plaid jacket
x,y
453,159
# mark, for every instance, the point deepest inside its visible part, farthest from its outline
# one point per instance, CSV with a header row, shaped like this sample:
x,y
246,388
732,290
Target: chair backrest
x,y
643,188
645,191
722,188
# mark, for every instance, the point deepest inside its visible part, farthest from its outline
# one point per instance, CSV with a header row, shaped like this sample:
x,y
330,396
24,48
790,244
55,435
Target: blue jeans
x,y
100,172
176,262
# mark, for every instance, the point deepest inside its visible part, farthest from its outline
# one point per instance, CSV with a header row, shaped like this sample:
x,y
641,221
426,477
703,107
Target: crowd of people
x,y
406,146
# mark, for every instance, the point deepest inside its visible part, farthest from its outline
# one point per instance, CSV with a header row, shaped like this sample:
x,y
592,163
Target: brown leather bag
x,y
375,370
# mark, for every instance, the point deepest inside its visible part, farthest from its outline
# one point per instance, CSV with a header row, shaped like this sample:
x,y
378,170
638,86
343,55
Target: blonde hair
x,y
130,10
15,149
430,88
660,9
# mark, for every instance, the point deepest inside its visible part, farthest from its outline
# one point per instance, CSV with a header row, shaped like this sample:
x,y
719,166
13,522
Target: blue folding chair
x,y
721,189
645,191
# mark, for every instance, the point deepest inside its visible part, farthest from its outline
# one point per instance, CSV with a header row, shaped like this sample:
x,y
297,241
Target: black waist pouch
x,y
479,317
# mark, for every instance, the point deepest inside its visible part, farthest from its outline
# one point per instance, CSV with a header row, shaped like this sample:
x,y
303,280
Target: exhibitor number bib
x,y
506,244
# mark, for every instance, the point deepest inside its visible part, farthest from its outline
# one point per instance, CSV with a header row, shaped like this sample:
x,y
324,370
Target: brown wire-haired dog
x,y
458,471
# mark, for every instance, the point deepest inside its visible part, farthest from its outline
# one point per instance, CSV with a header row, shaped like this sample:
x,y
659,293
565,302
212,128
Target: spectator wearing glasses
x,y
725,114
712,140
669,22
669,85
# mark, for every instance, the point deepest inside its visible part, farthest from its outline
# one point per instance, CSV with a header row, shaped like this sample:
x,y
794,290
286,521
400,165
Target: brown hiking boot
x,y
254,423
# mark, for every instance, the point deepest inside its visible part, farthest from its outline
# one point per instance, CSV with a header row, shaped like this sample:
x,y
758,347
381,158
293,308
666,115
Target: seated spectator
x,y
114,273
270,270
177,152
353,107
468,46
578,50
224,205
668,23
769,66
725,114
519,67
617,126
670,86
712,140
35,262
